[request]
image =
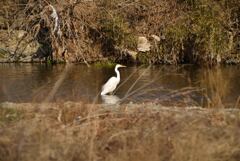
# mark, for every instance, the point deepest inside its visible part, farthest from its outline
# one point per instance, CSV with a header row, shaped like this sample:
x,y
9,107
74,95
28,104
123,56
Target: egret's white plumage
x,y
112,83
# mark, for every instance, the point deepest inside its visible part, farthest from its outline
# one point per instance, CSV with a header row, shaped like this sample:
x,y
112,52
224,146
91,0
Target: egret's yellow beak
x,y
122,65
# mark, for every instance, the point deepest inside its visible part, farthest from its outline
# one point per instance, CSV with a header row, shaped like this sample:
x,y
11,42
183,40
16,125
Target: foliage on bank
x,y
189,31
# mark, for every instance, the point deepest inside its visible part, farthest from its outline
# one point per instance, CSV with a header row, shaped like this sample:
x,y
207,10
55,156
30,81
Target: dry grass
x,y
87,31
76,131
216,87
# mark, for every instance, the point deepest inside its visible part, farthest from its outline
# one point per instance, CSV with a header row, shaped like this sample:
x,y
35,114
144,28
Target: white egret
x,y
112,83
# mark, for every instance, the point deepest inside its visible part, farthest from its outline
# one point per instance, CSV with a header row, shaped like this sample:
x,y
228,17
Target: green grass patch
x,y
9,115
105,64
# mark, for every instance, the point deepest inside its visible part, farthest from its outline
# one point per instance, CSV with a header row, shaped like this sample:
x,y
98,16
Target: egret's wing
x,y
110,85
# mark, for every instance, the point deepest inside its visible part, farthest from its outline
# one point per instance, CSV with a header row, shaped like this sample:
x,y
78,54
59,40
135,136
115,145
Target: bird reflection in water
x,y
110,99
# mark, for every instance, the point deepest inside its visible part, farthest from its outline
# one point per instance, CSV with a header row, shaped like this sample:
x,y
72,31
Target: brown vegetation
x,y
190,31
75,131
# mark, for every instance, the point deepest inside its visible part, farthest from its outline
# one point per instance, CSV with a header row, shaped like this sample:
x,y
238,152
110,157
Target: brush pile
x,y
176,31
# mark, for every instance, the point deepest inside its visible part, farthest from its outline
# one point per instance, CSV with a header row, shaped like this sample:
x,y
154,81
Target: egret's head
x,y
119,66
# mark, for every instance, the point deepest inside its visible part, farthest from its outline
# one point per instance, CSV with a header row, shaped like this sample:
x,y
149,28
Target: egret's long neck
x,y
118,74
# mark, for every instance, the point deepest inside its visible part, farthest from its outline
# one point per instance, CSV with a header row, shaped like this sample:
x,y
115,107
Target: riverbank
x,y
145,31
78,131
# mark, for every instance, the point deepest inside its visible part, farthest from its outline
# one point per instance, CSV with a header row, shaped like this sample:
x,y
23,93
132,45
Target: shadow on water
x,y
168,85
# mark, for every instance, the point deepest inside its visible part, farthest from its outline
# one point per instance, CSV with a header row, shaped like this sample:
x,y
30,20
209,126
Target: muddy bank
x,y
145,31
77,131
16,46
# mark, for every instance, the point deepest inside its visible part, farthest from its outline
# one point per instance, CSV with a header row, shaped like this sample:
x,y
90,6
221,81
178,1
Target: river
x,y
169,85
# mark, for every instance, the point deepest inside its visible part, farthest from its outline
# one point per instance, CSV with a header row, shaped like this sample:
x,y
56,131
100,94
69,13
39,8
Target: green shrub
x,y
207,27
115,32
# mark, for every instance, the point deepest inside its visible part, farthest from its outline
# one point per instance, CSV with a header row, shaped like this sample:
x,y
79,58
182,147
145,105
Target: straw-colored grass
x,y
76,131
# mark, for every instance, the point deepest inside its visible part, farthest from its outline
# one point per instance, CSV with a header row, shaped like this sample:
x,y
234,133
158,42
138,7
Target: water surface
x,y
166,84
